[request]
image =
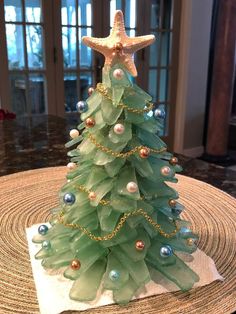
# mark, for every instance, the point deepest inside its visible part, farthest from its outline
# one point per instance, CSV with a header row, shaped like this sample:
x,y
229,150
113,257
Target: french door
x,y
48,69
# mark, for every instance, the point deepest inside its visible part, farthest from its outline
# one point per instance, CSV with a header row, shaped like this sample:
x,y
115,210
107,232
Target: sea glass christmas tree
x,y
118,220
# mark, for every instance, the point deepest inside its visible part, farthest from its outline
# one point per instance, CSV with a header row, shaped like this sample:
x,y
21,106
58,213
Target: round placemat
x,y
27,197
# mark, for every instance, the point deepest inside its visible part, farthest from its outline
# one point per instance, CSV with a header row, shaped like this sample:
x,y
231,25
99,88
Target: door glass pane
x,y
69,46
68,12
34,46
153,84
167,14
130,13
114,5
165,48
18,93
33,11
155,10
15,46
85,13
70,86
154,49
163,86
36,93
85,51
13,10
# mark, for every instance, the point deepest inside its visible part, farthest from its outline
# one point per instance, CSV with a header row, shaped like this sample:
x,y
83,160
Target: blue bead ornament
x,y
69,198
114,275
46,245
176,211
42,229
159,113
82,106
166,251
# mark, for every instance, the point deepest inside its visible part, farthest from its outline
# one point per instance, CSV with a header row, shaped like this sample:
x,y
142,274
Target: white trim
x,y
181,103
194,151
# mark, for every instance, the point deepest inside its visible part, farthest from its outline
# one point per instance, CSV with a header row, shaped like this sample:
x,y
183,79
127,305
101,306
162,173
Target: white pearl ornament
x,y
71,165
119,128
118,74
74,133
132,187
165,171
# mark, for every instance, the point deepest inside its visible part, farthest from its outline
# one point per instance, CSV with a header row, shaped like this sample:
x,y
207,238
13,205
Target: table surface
x,y
27,197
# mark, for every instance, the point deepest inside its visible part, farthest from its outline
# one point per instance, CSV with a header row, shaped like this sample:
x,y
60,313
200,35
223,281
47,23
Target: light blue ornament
x,y
69,198
159,113
114,275
184,230
82,106
166,251
46,245
42,229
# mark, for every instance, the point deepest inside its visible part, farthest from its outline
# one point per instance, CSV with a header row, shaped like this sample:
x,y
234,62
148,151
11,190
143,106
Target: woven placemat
x,y
26,198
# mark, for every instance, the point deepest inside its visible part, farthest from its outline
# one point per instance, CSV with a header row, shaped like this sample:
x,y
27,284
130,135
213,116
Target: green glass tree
x,y
118,221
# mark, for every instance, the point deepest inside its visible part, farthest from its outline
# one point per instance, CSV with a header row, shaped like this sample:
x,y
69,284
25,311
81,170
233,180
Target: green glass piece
x,y
86,147
117,94
58,260
80,212
101,190
133,117
126,234
122,203
110,113
86,286
125,293
74,141
87,256
123,275
124,137
83,167
142,93
178,168
106,76
149,126
150,140
137,270
179,273
81,126
134,97
124,82
129,247
96,175
112,168
127,175
102,158
99,122
180,243
93,102
90,221
73,153
43,253
141,165
108,218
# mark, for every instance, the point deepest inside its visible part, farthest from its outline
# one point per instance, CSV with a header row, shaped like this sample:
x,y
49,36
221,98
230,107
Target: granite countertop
x,y
30,143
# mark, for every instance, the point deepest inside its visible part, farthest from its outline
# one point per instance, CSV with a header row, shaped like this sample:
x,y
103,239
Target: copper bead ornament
x,y
92,196
119,128
71,165
173,161
190,241
89,122
139,245
132,187
118,47
74,133
75,264
166,171
90,91
144,152
118,74
172,203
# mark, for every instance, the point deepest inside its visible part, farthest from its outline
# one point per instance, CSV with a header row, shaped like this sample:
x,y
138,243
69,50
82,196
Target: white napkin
x,y
53,289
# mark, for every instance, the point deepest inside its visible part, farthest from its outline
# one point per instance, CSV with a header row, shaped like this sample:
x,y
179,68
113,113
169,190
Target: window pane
x,y
130,13
85,52
167,14
155,11
154,49
85,13
70,86
36,93
15,46
68,12
34,46
18,94
69,46
153,84
163,92
85,82
13,10
33,11
165,49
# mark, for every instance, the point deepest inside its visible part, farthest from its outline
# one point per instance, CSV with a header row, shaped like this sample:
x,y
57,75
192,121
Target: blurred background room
x,y
189,71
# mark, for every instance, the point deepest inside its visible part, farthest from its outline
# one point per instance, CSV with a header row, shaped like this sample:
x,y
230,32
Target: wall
x,y
192,77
